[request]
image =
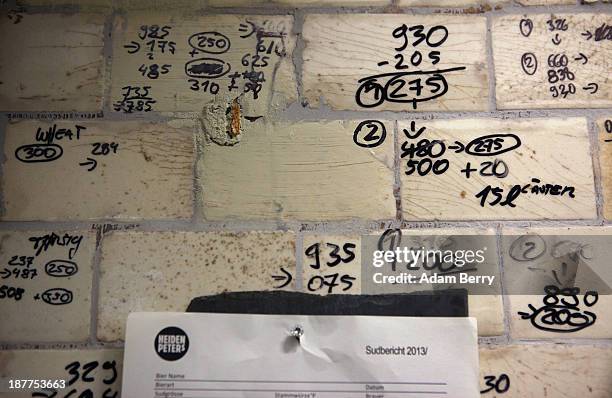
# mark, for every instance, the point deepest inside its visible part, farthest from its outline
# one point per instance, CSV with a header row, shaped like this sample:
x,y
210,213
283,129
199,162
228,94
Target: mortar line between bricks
x,y
573,342
394,8
95,286
306,227
296,112
390,8
3,127
556,9
197,189
505,299
397,183
490,65
107,60
594,147
297,57
299,261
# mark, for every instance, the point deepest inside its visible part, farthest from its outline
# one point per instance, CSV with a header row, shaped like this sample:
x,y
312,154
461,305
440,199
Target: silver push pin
x,y
297,332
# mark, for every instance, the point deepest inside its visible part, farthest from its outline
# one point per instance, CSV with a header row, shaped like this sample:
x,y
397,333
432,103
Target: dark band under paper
x,y
447,303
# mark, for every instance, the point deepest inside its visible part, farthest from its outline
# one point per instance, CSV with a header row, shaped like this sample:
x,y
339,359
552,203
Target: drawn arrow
x,y
583,57
587,34
279,278
90,162
414,130
5,273
556,40
244,28
457,147
133,47
592,87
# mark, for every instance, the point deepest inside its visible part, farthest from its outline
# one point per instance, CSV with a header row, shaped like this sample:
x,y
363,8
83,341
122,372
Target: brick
x,y
53,271
531,71
304,171
345,277
101,367
339,54
298,3
51,62
545,263
564,161
164,271
486,308
197,78
552,371
604,125
148,175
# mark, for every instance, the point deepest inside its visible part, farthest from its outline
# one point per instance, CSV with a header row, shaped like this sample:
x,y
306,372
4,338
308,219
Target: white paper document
x,y
194,355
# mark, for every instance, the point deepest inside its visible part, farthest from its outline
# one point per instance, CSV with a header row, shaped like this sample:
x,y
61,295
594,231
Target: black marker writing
x,y
560,311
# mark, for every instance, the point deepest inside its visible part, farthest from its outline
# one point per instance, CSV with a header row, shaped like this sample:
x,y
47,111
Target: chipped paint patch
x,y
222,121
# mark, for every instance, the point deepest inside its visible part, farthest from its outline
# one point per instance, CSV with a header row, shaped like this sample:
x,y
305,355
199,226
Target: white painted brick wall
x,y
60,64
221,191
